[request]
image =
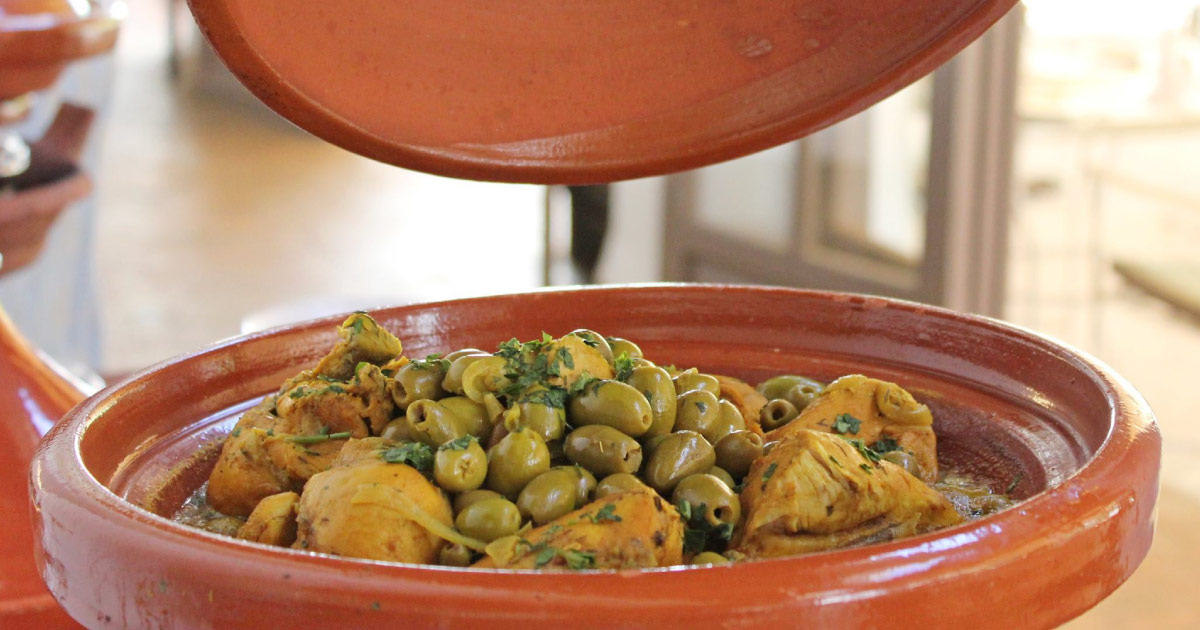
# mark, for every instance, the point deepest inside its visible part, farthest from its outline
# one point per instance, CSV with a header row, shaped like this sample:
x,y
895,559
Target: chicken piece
x,y
256,463
360,406
817,491
363,340
365,507
629,530
273,521
745,398
884,410
575,358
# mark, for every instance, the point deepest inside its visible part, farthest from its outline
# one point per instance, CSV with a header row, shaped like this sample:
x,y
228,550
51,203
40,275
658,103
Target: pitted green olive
x,y
452,382
776,387
900,407
585,482
548,421
460,469
548,496
624,346
613,404
617,483
729,420
658,389
432,423
485,376
473,414
396,430
683,453
689,380
454,556
515,460
709,557
723,475
595,340
737,451
451,356
417,381
723,505
905,461
801,395
467,498
638,362
489,519
603,450
777,413
697,410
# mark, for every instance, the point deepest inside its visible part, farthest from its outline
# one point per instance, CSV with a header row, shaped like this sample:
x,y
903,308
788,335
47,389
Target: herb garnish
x,y
574,558
698,533
414,454
431,362
846,423
867,453
885,445
460,444
324,436
622,366
606,513
768,473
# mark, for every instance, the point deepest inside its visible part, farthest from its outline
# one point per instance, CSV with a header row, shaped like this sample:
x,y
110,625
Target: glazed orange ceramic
x,y
39,37
1010,405
555,91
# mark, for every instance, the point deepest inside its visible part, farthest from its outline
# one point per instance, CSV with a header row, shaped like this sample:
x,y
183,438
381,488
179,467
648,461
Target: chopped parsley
x,y
431,362
530,366
623,366
414,454
846,423
575,559
606,513
769,473
867,453
461,444
885,445
236,431
550,396
698,533
323,436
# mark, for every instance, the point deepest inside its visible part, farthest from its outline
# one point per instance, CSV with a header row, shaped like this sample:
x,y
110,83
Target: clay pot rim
x,y
1129,419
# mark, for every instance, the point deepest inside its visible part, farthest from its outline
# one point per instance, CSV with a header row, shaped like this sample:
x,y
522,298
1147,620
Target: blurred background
x,y
1047,176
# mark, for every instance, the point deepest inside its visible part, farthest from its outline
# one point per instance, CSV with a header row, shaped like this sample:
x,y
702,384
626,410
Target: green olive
x,y
515,460
709,557
905,461
548,496
651,443
683,453
473,414
698,410
638,362
417,381
897,405
484,376
613,404
689,380
624,346
737,451
617,483
453,379
454,556
659,390
467,498
723,505
801,395
396,430
603,450
729,420
777,413
595,340
460,469
489,519
776,387
585,482
723,475
452,356
430,422
548,421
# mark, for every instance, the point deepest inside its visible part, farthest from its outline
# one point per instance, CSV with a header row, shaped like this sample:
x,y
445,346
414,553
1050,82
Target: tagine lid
x,y
579,92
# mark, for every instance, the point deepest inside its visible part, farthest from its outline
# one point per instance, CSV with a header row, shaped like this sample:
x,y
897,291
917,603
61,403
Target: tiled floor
x,y
210,212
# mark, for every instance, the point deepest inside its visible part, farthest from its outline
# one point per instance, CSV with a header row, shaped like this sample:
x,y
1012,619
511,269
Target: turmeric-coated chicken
x,y
632,529
363,340
273,521
745,398
366,507
574,357
817,490
870,410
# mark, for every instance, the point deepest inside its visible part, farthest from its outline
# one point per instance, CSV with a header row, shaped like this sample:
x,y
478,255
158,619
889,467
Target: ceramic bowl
x,y
1078,442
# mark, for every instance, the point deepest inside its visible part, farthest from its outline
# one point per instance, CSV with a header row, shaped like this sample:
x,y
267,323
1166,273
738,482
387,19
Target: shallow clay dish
x,y
1009,405
578,92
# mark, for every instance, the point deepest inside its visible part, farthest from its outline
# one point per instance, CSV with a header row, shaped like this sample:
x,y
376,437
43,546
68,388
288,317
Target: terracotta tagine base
x,y
1080,443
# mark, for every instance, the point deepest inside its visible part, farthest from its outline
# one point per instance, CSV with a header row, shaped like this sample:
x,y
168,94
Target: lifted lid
x,y
574,91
